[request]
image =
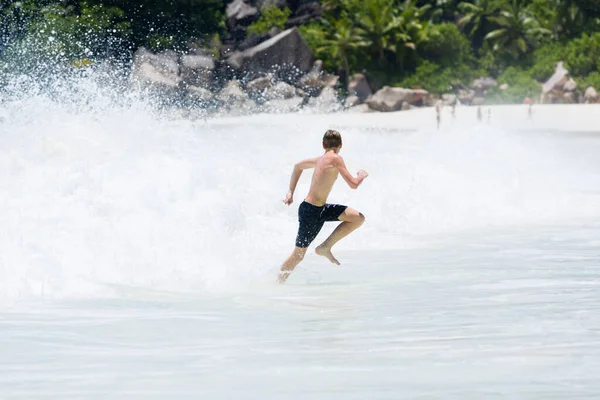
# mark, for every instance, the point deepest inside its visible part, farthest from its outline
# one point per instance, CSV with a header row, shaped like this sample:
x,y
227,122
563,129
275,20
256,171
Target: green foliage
x,y
441,10
435,44
545,12
518,31
436,79
431,77
590,7
520,85
545,60
489,61
448,47
84,34
103,27
159,43
592,80
271,16
58,36
342,42
180,20
400,46
384,34
477,18
582,55
315,35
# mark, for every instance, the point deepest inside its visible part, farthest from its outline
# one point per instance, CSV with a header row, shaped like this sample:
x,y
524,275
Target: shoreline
x,y
583,118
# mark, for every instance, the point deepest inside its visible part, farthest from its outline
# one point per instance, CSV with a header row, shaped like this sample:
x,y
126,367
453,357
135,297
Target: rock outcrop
x,y
266,88
483,84
233,98
287,50
156,70
557,80
280,90
284,105
258,86
232,93
569,98
197,69
570,85
316,80
358,86
352,101
590,95
199,95
241,11
327,101
165,62
466,96
391,98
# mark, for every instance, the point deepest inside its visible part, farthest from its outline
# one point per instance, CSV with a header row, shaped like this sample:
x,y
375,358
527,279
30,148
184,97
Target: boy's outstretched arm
x,y
353,182
298,168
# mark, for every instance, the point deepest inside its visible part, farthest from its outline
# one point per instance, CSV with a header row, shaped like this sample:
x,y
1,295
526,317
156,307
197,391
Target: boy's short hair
x,y
332,139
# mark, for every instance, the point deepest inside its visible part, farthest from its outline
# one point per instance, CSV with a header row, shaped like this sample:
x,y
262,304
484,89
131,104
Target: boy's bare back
x,y
324,176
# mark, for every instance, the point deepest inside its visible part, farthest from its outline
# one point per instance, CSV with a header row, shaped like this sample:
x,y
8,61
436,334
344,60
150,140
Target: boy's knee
x,y
361,218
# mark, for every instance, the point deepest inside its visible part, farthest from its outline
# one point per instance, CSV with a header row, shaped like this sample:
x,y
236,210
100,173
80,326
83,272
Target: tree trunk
x,y
346,75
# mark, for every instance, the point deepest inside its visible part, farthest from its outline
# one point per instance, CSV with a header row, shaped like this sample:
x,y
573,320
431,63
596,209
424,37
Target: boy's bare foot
x,y
283,275
326,252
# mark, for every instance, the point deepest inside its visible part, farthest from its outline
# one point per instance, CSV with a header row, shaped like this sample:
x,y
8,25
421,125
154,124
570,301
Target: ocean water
x,y
139,251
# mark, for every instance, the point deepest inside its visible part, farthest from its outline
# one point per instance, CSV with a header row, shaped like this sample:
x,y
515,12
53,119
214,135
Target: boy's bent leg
x,y
351,220
290,263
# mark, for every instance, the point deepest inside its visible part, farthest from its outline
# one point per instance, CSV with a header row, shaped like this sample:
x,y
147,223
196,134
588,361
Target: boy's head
x,y
332,140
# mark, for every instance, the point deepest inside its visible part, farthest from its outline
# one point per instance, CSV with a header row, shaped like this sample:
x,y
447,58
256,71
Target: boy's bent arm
x,y
298,168
350,180
306,164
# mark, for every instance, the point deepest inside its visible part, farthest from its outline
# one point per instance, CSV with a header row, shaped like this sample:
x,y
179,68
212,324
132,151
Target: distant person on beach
x,y
438,113
530,111
479,115
314,210
489,115
454,109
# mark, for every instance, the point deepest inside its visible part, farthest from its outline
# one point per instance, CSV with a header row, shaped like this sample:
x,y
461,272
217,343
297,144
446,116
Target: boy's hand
x,y
289,198
362,174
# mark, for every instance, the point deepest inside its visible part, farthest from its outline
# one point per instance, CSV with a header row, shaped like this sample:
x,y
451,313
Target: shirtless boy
x,y
314,210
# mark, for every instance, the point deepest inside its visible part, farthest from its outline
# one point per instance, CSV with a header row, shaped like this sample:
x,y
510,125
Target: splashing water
x,y
100,188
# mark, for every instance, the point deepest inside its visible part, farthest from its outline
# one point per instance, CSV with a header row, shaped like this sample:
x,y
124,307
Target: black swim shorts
x,y
312,218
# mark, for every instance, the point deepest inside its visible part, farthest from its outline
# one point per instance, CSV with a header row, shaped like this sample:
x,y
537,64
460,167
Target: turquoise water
x,y
515,316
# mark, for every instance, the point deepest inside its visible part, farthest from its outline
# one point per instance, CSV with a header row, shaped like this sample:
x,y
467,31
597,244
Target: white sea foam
x,y
98,191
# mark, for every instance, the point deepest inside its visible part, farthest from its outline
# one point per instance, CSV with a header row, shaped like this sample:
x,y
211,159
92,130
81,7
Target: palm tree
x,y
343,39
573,17
518,31
390,29
408,30
377,23
476,19
441,10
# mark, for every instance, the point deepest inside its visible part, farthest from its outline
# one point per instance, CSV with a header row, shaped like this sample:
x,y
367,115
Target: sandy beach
x,y
545,117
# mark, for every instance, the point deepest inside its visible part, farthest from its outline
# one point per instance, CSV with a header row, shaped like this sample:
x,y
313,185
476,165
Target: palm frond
x,y
495,34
